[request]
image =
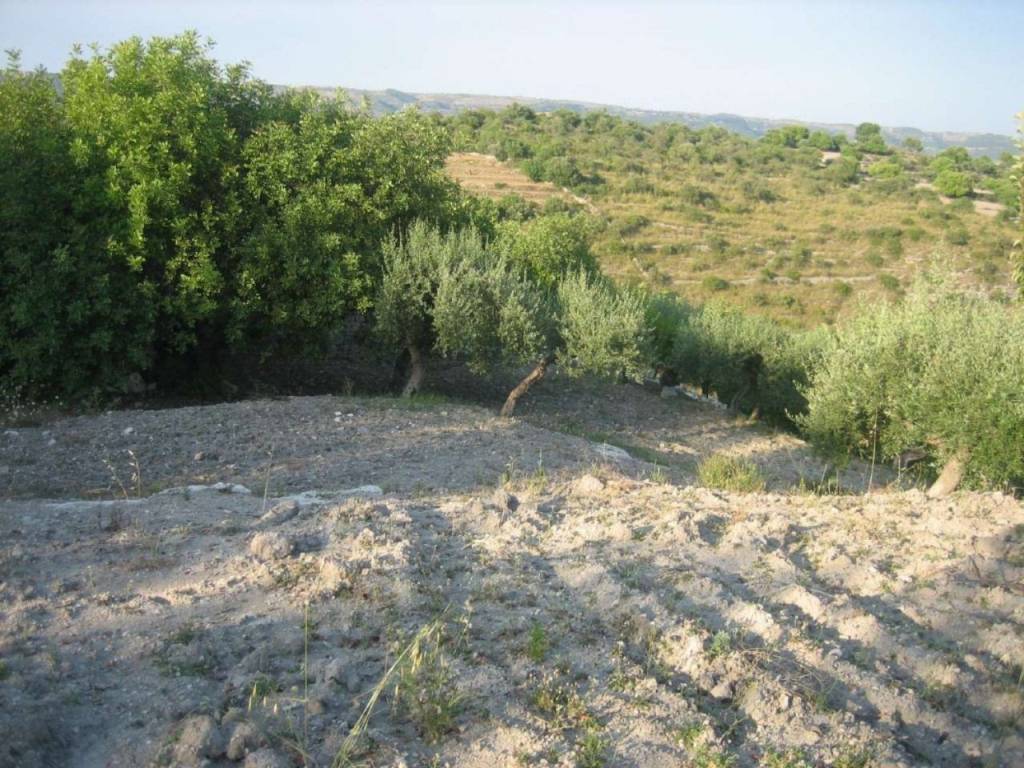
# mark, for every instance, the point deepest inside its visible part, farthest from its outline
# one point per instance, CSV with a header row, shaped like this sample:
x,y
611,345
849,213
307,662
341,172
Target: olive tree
x,y
455,295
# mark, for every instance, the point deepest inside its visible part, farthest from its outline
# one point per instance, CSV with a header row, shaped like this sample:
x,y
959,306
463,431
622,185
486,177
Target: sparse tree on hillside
x,y
869,138
953,183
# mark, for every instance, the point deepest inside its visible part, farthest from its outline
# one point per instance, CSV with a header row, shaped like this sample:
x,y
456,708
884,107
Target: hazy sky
x,y
933,65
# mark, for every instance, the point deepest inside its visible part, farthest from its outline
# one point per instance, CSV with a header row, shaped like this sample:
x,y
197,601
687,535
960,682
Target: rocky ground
x,y
348,581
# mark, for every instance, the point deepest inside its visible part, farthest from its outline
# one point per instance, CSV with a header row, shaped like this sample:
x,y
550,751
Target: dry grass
x,y
486,175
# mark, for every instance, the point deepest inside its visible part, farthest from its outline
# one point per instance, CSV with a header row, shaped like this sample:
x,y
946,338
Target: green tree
x,y
1019,244
450,294
913,144
154,137
953,183
823,141
548,247
67,322
869,138
328,189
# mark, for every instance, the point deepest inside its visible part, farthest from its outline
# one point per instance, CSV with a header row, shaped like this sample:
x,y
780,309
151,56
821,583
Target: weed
x,y
537,643
721,645
727,473
425,690
559,703
592,749
791,758
351,745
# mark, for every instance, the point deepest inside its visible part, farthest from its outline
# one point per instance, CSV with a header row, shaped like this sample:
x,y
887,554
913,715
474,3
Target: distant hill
x,y
385,102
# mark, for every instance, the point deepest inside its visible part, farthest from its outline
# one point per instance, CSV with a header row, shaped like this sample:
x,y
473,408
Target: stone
x,y
200,739
244,739
280,513
271,546
333,577
587,485
612,452
504,500
266,758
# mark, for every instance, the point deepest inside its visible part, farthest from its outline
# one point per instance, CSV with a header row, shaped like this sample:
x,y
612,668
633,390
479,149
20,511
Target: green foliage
x,y
844,171
1018,269
869,138
165,213
603,328
747,360
787,136
548,247
70,322
940,370
447,292
823,141
953,183
885,169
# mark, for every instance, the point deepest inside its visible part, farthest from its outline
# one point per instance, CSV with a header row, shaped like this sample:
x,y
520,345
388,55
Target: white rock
x,y
587,485
612,452
200,738
271,546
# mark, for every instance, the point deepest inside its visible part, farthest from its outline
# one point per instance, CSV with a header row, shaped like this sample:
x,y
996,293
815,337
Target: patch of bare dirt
x,y
585,609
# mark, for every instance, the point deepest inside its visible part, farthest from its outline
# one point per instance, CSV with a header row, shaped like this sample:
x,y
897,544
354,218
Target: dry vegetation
x,y
486,175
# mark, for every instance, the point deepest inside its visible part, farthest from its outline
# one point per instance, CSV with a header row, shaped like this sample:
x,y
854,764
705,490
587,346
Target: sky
x,y
937,65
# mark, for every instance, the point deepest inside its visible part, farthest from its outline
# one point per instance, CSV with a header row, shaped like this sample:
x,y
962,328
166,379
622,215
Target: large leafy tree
x,y
154,135
65,326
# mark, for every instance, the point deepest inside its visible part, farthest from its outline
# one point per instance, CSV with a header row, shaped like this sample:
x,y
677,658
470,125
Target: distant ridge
x,y
388,101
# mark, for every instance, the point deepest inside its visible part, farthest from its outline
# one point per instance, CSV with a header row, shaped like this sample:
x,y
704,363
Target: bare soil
x,y
598,607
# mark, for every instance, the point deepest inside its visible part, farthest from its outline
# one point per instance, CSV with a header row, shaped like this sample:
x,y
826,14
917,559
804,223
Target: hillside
x,y
778,225
389,101
203,586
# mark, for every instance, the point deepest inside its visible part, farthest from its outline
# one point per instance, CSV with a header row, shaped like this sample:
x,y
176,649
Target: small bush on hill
x,y
953,183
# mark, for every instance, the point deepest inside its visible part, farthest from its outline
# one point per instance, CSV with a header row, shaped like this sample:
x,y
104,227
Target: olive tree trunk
x,y
523,386
950,476
417,371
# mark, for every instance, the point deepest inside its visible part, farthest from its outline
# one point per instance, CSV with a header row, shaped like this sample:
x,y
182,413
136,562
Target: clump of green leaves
x,y
938,371
750,362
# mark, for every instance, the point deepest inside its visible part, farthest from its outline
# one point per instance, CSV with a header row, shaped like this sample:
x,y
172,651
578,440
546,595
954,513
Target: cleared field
x,y
486,175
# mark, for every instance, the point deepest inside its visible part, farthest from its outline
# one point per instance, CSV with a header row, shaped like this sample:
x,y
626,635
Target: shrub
x,y
953,183
715,283
869,138
728,473
749,361
889,282
447,293
939,371
885,169
548,247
